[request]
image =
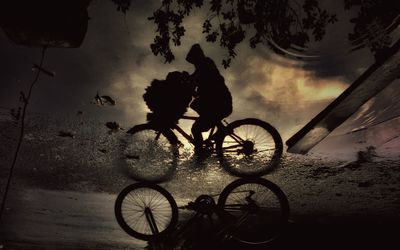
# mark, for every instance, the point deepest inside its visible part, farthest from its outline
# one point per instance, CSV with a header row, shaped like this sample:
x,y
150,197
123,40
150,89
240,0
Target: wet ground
x,y
45,219
64,189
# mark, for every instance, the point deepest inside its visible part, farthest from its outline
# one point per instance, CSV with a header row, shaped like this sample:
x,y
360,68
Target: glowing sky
x,y
115,59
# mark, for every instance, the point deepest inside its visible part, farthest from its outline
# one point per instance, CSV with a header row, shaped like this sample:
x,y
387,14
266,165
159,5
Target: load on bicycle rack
x,y
248,211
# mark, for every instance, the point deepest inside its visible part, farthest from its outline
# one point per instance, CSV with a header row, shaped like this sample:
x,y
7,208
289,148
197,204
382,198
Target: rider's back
x,y
214,98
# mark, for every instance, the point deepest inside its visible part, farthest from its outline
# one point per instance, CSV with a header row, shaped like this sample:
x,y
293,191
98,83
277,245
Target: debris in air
x,y
104,99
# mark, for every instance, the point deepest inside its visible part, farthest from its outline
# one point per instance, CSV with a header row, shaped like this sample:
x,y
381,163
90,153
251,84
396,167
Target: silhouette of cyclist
x,y
213,101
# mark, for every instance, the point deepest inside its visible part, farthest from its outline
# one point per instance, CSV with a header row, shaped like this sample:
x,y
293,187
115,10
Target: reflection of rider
x,y
213,101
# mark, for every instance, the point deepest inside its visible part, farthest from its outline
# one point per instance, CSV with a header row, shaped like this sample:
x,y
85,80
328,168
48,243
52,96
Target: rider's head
x,y
195,54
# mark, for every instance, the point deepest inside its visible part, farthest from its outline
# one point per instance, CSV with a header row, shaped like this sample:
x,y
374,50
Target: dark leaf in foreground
x,y
15,115
108,99
98,100
65,134
132,157
365,184
113,125
103,150
105,99
283,26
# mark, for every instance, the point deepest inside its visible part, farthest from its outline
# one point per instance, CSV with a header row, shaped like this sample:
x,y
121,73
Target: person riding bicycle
x,y
213,101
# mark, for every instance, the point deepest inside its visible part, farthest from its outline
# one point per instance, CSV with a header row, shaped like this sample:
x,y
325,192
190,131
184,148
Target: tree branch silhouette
x,y
283,26
275,23
25,100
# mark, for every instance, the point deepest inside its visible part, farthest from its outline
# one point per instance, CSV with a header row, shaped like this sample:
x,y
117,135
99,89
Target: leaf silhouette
x,y
113,126
15,114
65,134
98,100
108,99
132,157
105,99
103,150
229,22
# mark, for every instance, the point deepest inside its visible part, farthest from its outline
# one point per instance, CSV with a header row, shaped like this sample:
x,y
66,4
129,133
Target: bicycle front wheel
x,y
250,148
145,211
151,155
259,208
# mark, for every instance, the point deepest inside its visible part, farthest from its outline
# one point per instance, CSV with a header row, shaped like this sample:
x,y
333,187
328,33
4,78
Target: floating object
x,y
39,23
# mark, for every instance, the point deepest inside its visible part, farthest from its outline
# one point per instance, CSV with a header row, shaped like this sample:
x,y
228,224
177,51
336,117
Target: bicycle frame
x,y
151,221
212,134
189,137
227,230
218,221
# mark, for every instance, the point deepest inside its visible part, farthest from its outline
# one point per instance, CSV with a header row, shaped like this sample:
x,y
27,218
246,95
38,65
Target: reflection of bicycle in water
x,y
249,211
245,148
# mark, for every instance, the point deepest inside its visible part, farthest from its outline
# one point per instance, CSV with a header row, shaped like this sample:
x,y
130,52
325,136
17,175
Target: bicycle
x,y
250,211
245,148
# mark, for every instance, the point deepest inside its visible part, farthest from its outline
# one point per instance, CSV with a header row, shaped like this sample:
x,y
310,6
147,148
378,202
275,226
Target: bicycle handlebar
x,y
189,117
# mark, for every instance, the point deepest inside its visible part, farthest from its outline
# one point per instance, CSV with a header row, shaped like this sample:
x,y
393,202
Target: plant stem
x,y
21,134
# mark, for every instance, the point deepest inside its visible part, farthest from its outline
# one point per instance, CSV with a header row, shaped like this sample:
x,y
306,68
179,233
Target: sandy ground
x,y
64,189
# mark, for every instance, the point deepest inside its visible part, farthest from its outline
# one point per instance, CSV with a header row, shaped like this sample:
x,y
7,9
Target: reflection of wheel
x,y
260,209
144,210
151,155
250,147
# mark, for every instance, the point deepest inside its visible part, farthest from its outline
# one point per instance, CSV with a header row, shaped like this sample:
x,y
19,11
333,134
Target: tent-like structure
x,y
376,123
368,112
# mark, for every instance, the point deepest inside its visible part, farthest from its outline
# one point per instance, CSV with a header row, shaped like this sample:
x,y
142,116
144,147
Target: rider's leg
x,y
220,128
202,124
167,132
198,138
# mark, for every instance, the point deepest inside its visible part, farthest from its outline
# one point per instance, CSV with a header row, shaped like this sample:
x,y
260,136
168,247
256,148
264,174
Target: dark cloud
x,y
334,58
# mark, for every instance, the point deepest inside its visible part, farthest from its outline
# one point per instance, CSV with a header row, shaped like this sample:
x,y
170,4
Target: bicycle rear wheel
x,y
151,155
249,148
259,207
145,211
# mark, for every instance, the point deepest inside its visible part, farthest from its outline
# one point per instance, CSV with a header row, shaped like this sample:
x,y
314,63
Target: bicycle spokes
x,y
146,211
248,149
257,211
150,155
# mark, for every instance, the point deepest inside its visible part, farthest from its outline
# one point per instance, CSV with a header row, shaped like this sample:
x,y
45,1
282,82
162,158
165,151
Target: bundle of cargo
x,y
169,99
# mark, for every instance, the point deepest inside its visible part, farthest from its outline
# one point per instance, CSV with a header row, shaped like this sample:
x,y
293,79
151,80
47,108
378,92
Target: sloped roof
x,y
376,78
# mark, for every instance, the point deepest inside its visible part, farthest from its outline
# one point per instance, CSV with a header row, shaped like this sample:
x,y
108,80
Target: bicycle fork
x,y
153,227
151,221
228,231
